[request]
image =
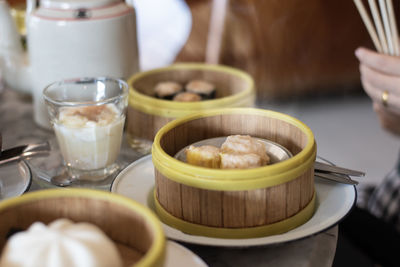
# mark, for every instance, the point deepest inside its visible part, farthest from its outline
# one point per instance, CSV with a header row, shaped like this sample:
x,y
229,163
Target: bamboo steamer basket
x,y
147,114
235,203
135,230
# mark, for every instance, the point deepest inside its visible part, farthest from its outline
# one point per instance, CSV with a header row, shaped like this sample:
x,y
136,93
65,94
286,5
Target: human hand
x,y
381,73
389,121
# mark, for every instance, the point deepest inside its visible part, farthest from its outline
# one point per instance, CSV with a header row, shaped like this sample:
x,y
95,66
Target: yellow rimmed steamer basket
x,y
235,203
147,114
133,228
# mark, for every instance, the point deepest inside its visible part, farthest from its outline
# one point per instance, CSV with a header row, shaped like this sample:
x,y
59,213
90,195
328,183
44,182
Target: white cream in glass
x,y
88,118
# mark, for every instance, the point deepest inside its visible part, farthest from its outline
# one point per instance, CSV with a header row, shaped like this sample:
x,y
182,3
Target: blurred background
x,y
300,53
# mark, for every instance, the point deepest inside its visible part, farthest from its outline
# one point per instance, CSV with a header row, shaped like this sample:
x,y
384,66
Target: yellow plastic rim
x,y
231,180
152,109
172,109
154,256
237,233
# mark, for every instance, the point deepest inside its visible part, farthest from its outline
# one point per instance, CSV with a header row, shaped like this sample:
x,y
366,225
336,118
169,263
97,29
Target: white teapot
x,y
67,39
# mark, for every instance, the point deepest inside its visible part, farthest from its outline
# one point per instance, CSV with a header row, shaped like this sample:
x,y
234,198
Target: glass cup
x,y
88,117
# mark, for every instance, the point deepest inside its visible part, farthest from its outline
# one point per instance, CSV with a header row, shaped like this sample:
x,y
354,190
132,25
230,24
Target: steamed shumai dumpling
x,y
60,244
245,144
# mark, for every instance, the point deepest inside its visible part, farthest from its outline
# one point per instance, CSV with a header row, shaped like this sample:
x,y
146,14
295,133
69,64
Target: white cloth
x,y
163,28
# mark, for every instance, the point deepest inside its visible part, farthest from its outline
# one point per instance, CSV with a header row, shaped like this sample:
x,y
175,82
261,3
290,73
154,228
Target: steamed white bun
x,y
60,244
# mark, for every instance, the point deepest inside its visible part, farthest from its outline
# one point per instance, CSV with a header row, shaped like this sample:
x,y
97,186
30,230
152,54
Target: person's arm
x,y
380,76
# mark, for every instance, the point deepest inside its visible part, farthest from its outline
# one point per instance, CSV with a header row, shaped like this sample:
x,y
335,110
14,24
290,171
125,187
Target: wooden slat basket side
x,y
234,209
130,232
142,126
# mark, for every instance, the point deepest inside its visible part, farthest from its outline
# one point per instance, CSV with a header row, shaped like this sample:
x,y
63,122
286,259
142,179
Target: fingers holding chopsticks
x,y
379,62
374,79
392,103
388,119
380,77
380,72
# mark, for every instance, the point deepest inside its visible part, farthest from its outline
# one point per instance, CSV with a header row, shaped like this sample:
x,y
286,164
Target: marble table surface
x,y
17,127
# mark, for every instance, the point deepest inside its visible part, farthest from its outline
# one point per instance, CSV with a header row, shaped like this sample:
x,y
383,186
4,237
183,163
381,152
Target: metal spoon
x,y
63,179
344,179
329,168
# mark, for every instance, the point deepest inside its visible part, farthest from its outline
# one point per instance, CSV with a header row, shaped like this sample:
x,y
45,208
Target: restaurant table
x,y
17,127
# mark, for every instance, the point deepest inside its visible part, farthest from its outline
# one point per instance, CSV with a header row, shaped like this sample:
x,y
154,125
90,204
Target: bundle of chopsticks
x,y
384,34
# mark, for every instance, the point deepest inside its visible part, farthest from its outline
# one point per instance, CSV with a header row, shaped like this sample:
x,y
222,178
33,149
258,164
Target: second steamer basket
x,y
147,113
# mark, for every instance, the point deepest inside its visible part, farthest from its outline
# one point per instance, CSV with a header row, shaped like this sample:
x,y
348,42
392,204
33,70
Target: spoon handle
x,y
336,178
335,169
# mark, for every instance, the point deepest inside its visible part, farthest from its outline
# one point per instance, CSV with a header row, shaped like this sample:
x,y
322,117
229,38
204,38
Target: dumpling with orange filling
x,y
204,156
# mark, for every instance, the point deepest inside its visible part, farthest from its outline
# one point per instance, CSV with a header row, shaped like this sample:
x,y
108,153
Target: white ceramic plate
x,y
334,201
15,179
179,256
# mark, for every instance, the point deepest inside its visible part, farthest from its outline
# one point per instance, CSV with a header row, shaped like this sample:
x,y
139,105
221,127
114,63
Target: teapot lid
x,y
76,4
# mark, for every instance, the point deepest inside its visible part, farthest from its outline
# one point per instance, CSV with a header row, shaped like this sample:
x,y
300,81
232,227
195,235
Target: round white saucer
x,y
44,168
179,256
334,202
15,179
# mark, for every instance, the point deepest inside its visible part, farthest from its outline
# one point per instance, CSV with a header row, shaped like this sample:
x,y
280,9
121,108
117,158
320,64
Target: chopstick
x,y
378,25
393,27
368,24
385,18
387,42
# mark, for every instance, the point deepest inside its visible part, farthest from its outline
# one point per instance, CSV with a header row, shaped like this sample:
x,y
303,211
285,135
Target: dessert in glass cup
x,y
88,117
